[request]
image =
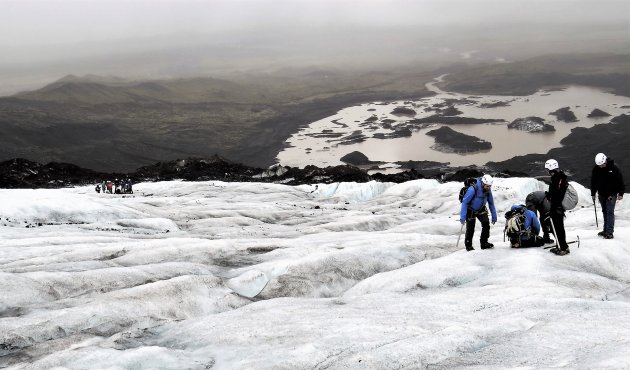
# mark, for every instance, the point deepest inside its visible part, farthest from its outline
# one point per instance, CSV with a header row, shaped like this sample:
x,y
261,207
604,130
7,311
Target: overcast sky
x,y
46,39
37,22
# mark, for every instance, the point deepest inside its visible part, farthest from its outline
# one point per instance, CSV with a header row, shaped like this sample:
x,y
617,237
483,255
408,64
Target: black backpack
x,y
515,223
471,181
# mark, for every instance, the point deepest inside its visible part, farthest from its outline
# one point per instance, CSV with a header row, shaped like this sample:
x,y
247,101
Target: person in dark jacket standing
x,y
608,182
537,201
557,189
474,208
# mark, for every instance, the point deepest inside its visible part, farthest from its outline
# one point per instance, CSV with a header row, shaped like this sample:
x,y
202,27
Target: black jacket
x,y
557,188
607,181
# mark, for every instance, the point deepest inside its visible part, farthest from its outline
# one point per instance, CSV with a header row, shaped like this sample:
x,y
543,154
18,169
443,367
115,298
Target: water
x,y
506,143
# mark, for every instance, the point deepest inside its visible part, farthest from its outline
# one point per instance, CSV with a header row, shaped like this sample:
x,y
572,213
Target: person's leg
x,y
485,230
545,225
610,217
470,231
604,207
535,241
558,226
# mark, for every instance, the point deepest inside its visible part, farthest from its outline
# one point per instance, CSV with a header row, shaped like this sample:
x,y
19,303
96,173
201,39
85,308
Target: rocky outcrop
x,y
356,158
450,141
564,114
403,111
598,113
531,124
453,120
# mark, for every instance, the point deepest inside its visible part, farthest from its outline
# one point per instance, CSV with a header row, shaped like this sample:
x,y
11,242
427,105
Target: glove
x,y
462,221
593,197
494,220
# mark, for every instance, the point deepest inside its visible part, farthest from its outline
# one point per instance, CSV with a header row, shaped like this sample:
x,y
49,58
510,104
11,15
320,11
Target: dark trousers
x,y
545,223
471,220
558,224
608,210
535,241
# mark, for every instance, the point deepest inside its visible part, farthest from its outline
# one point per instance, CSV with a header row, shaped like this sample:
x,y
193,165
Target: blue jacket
x,y
476,200
531,221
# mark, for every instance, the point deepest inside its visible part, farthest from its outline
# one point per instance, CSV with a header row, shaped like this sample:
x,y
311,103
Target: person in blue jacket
x,y
474,208
529,235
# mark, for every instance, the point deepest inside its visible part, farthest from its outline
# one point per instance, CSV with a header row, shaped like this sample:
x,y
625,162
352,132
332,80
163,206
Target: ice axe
x,y
575,241
571,242
595,209
461,230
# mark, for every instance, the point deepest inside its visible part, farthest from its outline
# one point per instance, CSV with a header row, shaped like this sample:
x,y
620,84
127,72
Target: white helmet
x,y
600,159
487,180
551,164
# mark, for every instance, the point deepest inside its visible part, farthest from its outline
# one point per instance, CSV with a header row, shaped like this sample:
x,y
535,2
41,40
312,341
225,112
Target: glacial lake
x,y
316,144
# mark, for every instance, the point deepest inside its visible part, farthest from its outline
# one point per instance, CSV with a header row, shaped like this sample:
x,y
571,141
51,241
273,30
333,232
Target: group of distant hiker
x,y
115,187
522,224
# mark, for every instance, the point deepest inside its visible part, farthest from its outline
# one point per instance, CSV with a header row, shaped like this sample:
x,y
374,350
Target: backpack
x,y
471,181
570,199
515,223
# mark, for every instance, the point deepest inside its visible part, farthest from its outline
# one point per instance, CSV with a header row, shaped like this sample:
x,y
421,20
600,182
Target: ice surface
x,y
201,275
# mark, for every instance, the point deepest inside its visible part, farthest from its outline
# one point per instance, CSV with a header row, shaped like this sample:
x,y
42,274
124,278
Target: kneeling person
x,y
522,227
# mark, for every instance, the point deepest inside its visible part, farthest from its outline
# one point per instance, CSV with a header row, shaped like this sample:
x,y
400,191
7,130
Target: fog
x,y
42,40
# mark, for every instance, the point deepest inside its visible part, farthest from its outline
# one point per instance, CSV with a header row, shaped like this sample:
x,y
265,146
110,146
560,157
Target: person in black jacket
x,y
557,189
608,182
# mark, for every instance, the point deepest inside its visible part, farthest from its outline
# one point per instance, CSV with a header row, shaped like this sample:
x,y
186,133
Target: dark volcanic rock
x,y
22,173
598,113
197,169
494,104
398,132
352,138
451,111
622,119
463,174
531,124
450,141
403,111
453,120
398,177
564,114
356,158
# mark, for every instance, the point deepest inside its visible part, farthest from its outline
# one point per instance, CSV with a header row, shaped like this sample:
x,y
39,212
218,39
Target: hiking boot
x,y
548,240
516,245
601,233
487,245
469,248
608,236
560,252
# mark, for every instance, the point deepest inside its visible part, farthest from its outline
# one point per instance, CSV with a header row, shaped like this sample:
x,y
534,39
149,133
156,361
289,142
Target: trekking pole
x,y
461,230
555,235
595,209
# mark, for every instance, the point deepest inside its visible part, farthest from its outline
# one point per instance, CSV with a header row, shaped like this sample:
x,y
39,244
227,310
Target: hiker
x,y
117,186
109,186
555,194
537,201
127,187
98,188
474,208
607,181
522,227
